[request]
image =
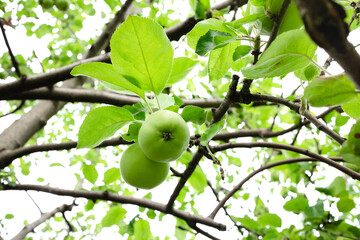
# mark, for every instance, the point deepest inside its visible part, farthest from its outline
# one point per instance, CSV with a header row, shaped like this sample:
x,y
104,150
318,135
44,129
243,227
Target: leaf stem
x,y
157,100
320,67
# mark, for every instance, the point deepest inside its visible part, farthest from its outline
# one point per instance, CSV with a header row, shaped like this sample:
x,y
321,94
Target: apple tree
x,y
194,119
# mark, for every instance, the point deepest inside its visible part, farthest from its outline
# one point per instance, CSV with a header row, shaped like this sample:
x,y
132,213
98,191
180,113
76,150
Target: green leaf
x,y
114,216
296,205
203,27
352,108
102,123
308,73
25,167
142,53
316,211
89,205
211,40
345,204
337,187
351,148
220,60
348,154
325,91
133,132
198,180
111,175
9,216
106,72
142,230
270,219
200,12
181,67
211,131
194,114
289,52
90,173
241,51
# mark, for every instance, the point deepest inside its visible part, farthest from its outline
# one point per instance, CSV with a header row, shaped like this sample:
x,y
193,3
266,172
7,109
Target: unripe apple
x,y
139,171
164,136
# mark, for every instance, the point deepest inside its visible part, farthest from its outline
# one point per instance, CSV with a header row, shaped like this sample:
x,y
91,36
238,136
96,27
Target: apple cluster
x,y
163,137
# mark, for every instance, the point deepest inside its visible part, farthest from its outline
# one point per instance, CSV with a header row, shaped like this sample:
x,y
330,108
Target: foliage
x,y
274,151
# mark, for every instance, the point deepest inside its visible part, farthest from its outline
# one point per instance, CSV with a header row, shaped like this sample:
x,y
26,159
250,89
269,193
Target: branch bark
x,y
30,227
109,196
324,21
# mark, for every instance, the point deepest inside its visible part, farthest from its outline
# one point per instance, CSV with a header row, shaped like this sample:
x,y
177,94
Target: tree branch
x,y
324,21
13,59
305,152
277,23
219,112
252,174
30,227
295,107
109,196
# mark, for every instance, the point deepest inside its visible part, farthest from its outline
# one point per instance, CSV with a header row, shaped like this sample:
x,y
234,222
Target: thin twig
x,y
252,174
13,59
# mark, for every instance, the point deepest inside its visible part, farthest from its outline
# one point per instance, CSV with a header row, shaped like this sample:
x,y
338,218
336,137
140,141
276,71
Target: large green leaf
x,y
325,91
220,60
142,53
203,27
181,67
106,72
100,124
290,51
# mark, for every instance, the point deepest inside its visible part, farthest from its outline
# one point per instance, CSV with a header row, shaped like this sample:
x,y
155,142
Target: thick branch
x,y
30,227
324,21
252,174
7,156
98,96
109,196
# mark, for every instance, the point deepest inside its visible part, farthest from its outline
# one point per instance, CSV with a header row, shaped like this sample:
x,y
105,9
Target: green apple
x,y
164,136
139,171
